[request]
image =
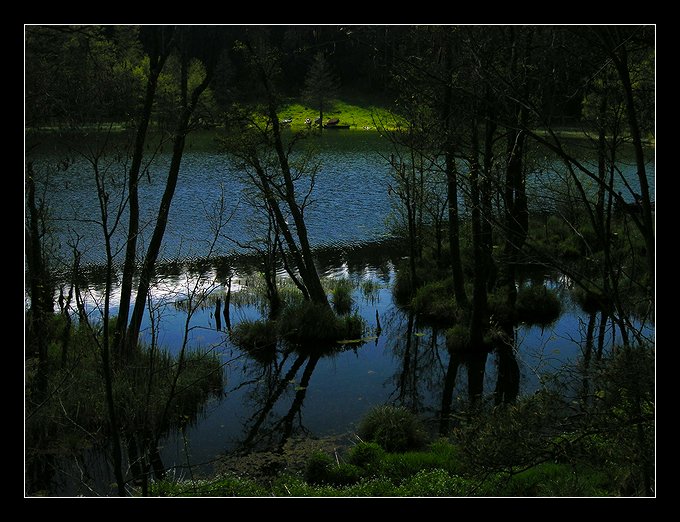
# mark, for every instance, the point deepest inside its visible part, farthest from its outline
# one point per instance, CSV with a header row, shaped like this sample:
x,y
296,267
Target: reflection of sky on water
x,y
343,386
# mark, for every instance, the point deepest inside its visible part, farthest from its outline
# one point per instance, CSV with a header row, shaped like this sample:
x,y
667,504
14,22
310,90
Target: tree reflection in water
x,y
265,429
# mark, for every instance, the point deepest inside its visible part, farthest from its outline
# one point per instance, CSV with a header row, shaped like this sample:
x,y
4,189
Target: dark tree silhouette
x,y
320,85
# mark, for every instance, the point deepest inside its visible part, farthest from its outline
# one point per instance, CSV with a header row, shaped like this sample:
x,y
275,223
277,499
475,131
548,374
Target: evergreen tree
x,y
320,85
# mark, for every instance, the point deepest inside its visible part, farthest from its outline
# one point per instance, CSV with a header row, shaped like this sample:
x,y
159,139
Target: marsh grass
x,y
434,302
394,428
341,296
154,391
537,304
307,322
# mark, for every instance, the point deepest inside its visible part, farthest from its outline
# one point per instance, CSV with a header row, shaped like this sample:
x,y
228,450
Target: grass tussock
x,y
536,304
394,428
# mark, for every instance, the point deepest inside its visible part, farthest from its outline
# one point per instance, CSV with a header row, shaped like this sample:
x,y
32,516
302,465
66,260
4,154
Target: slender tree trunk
x,y
476,367
38,284
602,330
478,319
447,394
485,189
620,59
403,376
310,275
454,230
452,185
148,267
507,381
155,68
107,367
321,116
409,189
516,211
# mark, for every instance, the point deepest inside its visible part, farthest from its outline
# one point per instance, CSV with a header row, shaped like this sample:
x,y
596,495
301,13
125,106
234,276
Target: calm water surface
x,y
405,364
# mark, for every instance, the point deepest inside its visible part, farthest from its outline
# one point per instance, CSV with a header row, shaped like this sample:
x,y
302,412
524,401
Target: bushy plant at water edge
x,y
395,428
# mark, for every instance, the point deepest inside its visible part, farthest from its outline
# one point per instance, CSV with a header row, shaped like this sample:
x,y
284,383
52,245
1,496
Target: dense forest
x,y
506,151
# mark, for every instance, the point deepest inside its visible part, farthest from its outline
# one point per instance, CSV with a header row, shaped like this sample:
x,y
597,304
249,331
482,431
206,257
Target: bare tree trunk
x,y
619,56
307,268
105,345
485,189
454,230
310,276
516,212
157,61
478,318
146,275
447,394
452,187
40,289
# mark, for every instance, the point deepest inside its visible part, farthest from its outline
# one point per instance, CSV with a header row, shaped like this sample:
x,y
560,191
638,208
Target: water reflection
x,y
275,416
276,392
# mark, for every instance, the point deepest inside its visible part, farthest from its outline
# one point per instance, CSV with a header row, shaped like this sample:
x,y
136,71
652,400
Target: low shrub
x,y
434,483
307,322
440,455
554,480
341,297
318,469
435,302
395,428
537,305
458,338
368,456
254,334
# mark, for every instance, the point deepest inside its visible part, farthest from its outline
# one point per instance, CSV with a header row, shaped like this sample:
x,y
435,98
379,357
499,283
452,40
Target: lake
x,y
348,226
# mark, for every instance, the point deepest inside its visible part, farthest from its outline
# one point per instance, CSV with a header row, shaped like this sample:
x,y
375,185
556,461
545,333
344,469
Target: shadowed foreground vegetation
x,y
157,392
543,445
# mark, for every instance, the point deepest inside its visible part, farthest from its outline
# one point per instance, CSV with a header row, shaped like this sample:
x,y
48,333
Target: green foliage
x,y
322,469
154,392
351,327
557,480
433,483
257,337
500,311
458,337
369,289
307,322
368,456
318,469
320,84
440,455
345,474
591,300
395,428
435,302
226,486
296,487
537,305
606,440
341,296
403,288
